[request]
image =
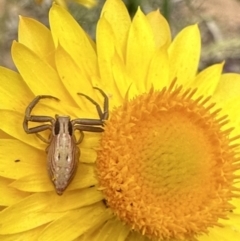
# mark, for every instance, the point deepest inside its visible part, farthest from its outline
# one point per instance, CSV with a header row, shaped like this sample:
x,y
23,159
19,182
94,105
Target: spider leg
x,y
81,136
105,114
34,118
91,125
87,122
102,115
88,128
28,117
44,139
35,101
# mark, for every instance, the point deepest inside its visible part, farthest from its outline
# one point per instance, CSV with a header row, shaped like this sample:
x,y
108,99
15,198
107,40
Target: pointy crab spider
x,y
62,152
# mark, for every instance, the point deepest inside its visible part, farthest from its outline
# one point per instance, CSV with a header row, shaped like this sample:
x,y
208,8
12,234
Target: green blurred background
x,y
219,22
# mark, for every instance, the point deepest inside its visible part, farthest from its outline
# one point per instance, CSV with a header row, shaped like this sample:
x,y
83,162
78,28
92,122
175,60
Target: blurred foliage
x,y
219,28
132,6
166,9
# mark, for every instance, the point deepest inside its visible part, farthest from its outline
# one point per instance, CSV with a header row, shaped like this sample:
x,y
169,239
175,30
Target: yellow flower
x,y
63,3
168,160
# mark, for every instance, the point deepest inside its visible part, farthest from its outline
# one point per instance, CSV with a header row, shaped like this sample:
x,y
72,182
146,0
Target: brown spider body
x,y
63,153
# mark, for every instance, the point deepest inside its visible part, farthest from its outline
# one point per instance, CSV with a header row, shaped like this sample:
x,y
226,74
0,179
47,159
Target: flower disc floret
x,y
166,165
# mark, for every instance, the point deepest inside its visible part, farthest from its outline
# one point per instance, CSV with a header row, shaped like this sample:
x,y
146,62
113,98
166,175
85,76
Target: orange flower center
x,y
166,164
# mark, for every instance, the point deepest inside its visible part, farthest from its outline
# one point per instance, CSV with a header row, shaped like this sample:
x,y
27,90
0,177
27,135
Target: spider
x,y
62,151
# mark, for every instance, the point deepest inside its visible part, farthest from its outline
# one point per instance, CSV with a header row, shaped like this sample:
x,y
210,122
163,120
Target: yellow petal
x,y
115,12
28,235
73,39
4,135
67,201
17,131
90,141
73,79
228,98
158,73
112,230
19,159
86,3
236,203
88,155
40,181
36,210
9,195
38,75
234,220
207,80
184,54
160,27
106,48
224,234
108,54
123,81
27,214
136,236
140,49
89,216
62,3
85,177
38,38
20,93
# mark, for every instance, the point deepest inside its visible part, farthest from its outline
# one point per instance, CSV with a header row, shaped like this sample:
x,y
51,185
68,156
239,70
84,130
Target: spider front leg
x,y
102,115
92,125
28,117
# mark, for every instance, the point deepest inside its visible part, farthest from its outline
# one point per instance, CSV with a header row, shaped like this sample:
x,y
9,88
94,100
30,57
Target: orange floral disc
x,y
166,166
